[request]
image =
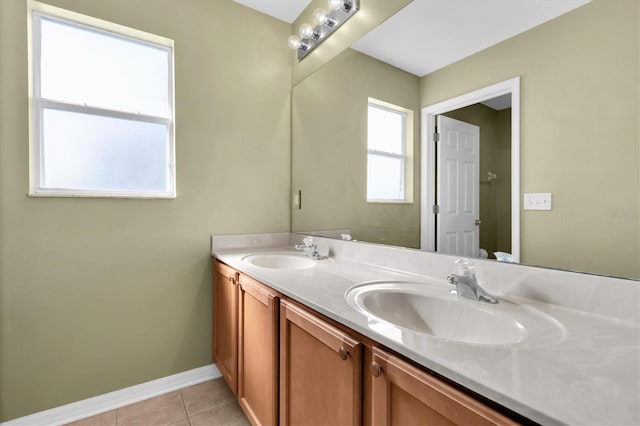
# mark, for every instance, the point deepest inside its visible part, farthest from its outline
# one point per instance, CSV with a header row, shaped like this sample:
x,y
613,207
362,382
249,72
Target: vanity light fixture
x,y
307,31
321,17
326,22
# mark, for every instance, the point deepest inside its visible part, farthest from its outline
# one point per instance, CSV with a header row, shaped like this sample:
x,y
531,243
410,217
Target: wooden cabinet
x,y
258,352
288,365
245,341
225,323
320,371
405,395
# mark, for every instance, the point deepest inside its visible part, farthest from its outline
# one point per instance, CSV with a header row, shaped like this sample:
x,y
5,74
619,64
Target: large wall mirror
x,y
579,140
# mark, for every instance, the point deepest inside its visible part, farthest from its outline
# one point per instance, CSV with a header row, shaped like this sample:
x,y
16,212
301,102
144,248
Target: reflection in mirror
x,y
490,180
329,122
579,141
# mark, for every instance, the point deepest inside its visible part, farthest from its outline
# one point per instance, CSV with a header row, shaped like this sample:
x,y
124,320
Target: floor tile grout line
x,y
184,406
216,405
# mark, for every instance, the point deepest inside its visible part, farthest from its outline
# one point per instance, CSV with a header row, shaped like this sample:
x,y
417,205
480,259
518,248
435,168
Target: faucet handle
x,y
308,241
464,267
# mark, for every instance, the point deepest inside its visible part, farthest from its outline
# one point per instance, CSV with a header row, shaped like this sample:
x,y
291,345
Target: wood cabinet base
x,y
405,395
292,366
258,352
320,371
225,323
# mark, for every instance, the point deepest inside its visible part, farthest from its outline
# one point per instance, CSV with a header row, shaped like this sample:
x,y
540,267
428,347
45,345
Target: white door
x,y
458,188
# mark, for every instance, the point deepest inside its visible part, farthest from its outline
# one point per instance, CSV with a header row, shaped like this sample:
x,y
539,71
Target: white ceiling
x,y
445,31
430,34
285,10
499,103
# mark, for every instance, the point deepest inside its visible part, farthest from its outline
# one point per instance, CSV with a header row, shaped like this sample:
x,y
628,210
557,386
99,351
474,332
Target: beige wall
x,y
495,157
100,294
580,130
329,132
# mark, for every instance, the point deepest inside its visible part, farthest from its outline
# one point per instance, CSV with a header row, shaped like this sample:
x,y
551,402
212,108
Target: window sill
x,y
389,202
58,194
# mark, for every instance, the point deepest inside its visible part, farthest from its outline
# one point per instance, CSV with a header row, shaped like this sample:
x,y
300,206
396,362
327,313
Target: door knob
x,y
344,354
375,369
478,222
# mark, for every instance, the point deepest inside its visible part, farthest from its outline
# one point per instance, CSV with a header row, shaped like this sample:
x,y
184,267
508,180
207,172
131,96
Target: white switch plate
x,y
537,201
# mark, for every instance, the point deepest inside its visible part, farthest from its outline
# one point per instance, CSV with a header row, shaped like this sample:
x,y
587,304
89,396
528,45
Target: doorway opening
x,y
429,175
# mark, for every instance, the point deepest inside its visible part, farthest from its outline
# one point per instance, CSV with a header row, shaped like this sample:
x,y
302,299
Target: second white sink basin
x,y
430,309
284,261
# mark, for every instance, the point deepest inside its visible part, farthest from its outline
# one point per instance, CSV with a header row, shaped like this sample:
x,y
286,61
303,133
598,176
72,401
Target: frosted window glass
x,y
385,130
87,67
384,178
90,152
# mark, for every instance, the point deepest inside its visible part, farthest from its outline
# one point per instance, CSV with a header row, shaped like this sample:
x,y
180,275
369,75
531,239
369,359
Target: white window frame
x,y
37,104
406,154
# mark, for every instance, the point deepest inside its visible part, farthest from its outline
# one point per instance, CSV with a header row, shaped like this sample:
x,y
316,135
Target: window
x,y
389,153
101,108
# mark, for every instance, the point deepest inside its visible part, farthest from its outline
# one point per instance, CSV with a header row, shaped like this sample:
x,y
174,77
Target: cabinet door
x,y
225,323
258,352
320,371
405,395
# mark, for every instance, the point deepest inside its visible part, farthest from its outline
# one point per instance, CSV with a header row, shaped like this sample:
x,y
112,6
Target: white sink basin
x,y
430,309
285,261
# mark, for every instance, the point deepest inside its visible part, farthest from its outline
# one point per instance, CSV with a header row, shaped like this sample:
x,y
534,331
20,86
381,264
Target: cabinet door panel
x,y
258,352
225,323
405,395
320,371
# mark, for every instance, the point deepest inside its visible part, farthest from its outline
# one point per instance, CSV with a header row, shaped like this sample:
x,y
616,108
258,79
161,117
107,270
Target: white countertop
x,y
591,377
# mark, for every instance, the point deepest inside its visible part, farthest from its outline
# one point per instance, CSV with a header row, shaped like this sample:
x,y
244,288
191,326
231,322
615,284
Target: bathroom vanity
x,y
371,334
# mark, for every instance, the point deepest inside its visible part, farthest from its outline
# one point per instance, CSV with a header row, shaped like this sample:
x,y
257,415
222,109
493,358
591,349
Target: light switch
x,y
297,199
537,201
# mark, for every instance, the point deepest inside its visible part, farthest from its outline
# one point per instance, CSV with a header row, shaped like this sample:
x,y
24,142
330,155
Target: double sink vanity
x,y
354,333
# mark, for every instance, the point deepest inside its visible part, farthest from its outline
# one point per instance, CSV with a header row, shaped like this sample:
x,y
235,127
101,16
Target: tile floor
x,y
206,404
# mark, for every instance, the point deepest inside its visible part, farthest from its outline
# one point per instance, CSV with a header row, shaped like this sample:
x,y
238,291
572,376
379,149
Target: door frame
x,y
428,176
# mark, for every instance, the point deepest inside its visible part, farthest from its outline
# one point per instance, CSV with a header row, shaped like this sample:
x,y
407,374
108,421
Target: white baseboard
x,y
120,398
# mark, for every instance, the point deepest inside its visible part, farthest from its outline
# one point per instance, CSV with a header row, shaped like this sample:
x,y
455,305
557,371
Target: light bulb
x,y
335,4
294,42
306,30
320,17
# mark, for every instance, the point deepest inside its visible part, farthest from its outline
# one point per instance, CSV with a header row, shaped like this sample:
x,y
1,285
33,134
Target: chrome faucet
x,y
309,248
466,283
